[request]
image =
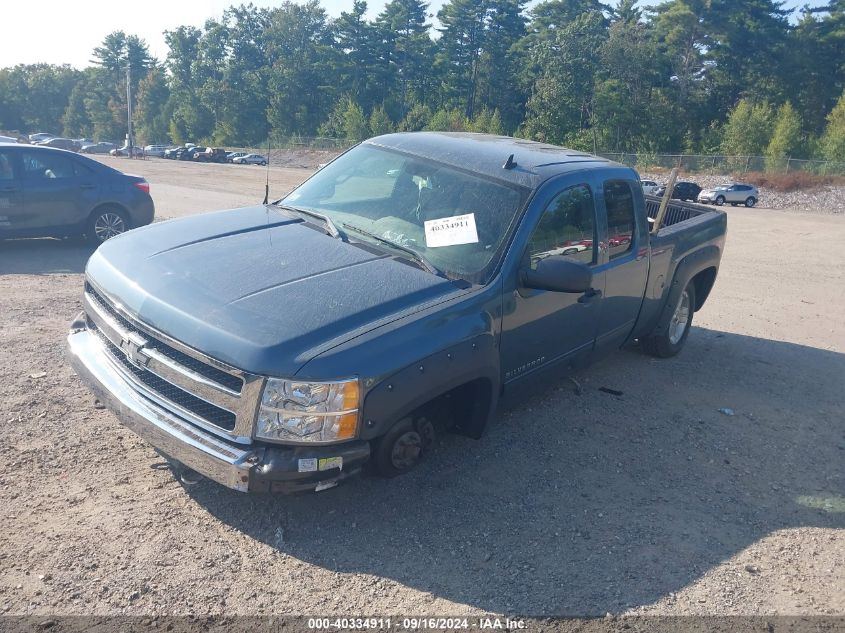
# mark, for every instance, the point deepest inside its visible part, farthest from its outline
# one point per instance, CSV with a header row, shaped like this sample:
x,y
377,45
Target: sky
x,y
63,32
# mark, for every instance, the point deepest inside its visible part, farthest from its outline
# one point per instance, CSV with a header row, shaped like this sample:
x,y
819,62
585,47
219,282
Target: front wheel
x,y
263,163
720,201
105,224
750,201
670,342
403,447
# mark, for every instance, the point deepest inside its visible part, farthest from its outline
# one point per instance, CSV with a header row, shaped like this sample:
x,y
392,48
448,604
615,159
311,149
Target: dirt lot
x,y
650,502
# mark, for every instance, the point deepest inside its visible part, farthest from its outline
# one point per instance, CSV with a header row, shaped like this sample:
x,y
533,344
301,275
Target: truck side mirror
x,y
558,274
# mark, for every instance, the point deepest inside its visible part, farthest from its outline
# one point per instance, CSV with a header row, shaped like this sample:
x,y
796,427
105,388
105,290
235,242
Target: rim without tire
x,y
406,451
680,320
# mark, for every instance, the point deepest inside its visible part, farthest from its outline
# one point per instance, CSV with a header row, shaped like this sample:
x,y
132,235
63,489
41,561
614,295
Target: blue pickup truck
x,y
402,290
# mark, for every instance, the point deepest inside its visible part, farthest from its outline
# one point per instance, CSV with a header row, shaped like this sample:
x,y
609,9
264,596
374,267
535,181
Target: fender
x,y
687,268
415,385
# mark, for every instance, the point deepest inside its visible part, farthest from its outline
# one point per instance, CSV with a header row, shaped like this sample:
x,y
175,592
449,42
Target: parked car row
x,y
207,155
733,193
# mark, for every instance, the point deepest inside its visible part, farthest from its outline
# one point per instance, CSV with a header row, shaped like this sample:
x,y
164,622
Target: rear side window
x,y
81,169
45,165
567,228
6,171
619,200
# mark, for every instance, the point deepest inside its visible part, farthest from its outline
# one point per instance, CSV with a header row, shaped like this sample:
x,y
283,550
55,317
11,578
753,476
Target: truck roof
x,y
487,154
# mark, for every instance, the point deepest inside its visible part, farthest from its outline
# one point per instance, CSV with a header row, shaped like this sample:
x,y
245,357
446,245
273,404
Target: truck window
x,y
619,201
567,228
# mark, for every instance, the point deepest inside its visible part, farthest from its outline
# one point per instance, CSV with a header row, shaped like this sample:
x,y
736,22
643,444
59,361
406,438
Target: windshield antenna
x,y
267,183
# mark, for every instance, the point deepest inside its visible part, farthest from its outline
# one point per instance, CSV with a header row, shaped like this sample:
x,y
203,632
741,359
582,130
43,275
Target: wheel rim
x,y
107,225
750,202
406,450
680,320
720,201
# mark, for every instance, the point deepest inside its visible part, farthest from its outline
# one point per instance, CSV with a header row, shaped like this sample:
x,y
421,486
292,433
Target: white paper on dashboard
x,y
459,229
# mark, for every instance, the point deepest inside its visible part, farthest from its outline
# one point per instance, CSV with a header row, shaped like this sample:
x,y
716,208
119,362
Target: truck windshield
x,y
457,221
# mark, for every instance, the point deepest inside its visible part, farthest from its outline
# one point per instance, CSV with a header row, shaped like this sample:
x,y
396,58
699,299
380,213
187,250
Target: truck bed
x,y
676,212
687,228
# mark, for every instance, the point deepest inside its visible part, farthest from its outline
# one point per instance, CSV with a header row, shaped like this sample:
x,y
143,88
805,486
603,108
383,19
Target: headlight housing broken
x,y
302,412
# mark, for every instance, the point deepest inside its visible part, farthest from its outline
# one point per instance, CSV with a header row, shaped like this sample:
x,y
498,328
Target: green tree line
x,y
735,77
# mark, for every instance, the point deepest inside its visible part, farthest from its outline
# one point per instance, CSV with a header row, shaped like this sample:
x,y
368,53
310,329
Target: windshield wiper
x,y
400,247
331,228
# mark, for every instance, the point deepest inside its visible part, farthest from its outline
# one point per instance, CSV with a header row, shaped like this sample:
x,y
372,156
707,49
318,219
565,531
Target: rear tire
x,y
106,223
750,201
670,342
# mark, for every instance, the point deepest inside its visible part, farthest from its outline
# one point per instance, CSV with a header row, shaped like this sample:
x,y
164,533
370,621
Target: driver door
x,y
542,328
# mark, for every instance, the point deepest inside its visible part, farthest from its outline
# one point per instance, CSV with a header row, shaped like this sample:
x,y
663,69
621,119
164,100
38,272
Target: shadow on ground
x,y
584,504
43,256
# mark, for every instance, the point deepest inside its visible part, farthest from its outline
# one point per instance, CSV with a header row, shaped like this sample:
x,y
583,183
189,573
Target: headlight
x,y
308,412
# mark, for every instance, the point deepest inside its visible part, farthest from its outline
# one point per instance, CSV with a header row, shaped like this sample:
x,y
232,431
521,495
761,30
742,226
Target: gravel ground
x,y
652,502
827,199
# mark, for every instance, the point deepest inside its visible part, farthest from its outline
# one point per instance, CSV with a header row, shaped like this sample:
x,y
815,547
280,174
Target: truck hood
x,y
257,289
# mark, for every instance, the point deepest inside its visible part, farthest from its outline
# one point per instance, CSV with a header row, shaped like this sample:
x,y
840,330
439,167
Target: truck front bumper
x,y
248,468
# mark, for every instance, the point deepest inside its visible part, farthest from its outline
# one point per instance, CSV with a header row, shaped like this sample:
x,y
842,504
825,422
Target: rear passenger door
x,y
624,259
11,193
56,193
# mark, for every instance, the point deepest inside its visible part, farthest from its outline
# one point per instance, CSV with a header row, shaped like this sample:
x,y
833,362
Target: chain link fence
x,y
726,165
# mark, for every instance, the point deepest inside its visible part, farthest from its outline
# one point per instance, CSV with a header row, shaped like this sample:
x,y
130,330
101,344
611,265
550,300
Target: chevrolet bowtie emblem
x,y
132,345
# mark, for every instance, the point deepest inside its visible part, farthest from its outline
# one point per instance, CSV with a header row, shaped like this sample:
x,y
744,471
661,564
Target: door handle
x,y
87,185
591,295
8,189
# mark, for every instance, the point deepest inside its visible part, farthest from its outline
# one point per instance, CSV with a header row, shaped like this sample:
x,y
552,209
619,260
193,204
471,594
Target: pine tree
x,y
354,121
380,123
833,140
748,129
786,138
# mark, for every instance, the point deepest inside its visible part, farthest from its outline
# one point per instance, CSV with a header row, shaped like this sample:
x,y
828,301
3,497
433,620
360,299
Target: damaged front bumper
x,y
248,468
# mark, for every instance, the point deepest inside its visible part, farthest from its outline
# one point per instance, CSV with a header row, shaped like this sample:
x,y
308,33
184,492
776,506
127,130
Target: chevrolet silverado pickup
x,y
404,289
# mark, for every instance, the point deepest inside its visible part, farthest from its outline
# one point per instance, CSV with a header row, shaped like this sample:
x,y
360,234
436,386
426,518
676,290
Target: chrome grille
x,y
212,373
195,387
214,414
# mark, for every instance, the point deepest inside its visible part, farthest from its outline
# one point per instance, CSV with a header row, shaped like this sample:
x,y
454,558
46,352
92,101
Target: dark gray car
x,y
47,192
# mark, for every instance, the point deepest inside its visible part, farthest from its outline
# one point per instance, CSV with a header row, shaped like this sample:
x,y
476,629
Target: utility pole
x,y
130,137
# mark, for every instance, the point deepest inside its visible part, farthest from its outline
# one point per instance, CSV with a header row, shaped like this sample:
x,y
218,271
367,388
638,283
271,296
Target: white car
x,y
156,150
734,193
649,187
250,159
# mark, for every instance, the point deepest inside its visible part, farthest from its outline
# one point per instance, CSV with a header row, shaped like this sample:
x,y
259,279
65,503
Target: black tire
x,y
402,447
570,251
720,200
750,201
669,343
263,163
105,223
